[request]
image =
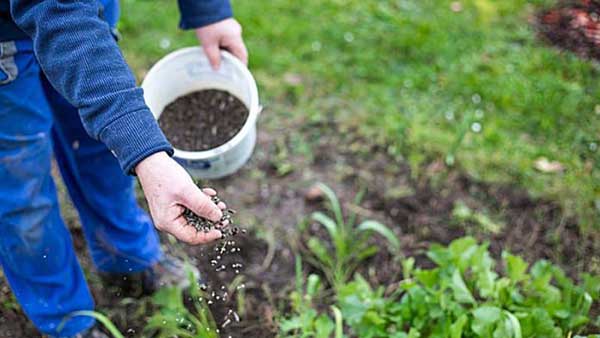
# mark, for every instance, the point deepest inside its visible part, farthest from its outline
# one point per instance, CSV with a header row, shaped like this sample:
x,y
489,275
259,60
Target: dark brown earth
x,y
203,120
573,25
271,202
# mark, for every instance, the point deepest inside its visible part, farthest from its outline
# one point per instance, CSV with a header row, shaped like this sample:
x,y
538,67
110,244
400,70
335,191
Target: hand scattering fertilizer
x,y
210,119
219,259
206,225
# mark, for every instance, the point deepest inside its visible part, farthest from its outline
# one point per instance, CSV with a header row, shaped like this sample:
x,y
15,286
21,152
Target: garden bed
x,y
275,193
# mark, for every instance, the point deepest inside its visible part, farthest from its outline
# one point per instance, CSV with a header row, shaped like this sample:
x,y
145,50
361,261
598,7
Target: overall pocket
x,y
8,66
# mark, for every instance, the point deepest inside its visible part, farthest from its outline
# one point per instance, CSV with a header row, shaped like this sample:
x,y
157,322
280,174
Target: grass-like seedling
x,y
348,244
173,319
305,320
108,324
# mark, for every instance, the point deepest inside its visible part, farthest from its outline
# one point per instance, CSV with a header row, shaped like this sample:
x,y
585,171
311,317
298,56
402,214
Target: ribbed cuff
x,y
133,137
220,12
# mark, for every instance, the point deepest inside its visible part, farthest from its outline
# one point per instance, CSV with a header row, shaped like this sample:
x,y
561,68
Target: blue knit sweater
x,y
80,58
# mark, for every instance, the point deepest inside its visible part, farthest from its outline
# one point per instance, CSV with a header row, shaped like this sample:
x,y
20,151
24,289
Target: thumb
x,y
201,204
213,53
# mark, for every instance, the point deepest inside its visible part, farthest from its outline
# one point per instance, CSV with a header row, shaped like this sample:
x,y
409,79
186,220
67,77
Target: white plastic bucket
x,y
187,70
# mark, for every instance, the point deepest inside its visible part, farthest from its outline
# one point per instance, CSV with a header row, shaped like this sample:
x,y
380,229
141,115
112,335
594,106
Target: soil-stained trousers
x,y
36,249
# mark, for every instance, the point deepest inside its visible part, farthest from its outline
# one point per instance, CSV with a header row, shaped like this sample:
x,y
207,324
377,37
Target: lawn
x,y
471,87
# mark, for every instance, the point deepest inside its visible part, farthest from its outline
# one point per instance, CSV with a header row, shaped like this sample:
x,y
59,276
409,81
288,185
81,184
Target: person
x,y
66,91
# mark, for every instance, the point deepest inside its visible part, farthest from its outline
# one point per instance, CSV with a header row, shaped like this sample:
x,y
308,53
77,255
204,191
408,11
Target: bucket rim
x,y
254,108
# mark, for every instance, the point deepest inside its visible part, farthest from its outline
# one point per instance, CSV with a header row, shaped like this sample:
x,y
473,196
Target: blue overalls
x,y
36,251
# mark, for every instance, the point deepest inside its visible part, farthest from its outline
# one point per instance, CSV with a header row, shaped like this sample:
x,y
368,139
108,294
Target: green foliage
x,y
416,76
349,242
173,319
464,296
280,159
305,321
461,213
108,324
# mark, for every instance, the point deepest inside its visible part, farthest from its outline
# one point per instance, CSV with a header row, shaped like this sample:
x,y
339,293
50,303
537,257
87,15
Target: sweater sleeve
x,y
83,63
198,13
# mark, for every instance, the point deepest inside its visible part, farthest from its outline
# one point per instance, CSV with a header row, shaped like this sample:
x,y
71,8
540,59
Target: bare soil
x,y
573,25
417,206
203,120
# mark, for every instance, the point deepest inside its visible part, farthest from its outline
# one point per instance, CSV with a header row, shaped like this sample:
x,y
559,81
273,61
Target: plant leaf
x,y
328,224
312,285
299,276
170,298
366,253
457,328
515,324
384,231
96,315
516,267
484,319
357,199
339,324
323,327
335,203
591,285
408,265
461,292
318,249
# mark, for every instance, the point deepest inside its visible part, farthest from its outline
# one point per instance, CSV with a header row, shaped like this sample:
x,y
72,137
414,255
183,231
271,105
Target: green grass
x,y
417,76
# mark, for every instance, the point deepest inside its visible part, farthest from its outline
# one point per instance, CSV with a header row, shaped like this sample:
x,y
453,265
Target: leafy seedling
x,y
465,295
173,319
463,214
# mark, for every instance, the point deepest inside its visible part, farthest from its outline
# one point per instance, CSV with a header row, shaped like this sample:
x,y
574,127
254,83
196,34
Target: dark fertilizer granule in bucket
x,y
203,120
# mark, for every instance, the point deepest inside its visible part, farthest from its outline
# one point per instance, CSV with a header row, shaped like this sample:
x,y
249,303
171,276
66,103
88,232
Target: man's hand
x,y
226,34
168,189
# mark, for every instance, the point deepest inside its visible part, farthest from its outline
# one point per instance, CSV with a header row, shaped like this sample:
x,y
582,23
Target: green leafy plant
x,y
464,296
461,213
349,242
281,161
173,319
305,320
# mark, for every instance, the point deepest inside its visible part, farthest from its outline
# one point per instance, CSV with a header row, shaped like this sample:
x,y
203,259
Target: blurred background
x,y
474,85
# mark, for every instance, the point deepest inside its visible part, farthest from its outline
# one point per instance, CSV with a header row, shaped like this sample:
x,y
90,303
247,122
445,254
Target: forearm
x,y
199,13
82,61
